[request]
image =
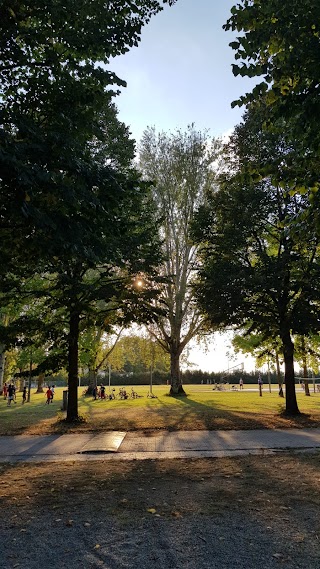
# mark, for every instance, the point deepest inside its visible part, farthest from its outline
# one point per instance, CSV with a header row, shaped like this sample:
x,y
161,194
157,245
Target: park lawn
x,y
201,409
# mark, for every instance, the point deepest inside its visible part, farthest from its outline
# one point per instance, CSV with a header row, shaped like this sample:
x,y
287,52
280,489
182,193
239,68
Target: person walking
x,y
11,391
49,396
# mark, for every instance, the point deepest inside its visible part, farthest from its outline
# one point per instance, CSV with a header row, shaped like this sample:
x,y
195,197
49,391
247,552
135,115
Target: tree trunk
x,y
29,381
305,368
279,376
40,382
72,408
176,385
2,363
92,381
288,352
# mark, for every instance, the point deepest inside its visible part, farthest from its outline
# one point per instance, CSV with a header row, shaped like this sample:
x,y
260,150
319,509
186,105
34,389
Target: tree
x,y
8,311
260,266
54,89
280,41
182,167
140,353
27,359
264,350
75,295
306,352
70,200
96,348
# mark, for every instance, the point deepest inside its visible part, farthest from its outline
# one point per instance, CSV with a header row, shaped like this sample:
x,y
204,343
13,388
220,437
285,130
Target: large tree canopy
x,y
280,42
260,266
182,166
72,207
55,106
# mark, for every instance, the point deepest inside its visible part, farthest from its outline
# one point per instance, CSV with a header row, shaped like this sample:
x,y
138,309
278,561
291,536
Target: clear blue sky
x,y
181,71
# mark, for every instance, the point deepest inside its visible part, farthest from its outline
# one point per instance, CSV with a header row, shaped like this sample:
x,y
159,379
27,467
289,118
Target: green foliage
x,y
257,258
307,351
72,207
280,41
182,167
260,261
142,353
265,350
59,124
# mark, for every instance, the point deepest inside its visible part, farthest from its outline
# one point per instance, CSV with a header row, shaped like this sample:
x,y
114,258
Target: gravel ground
x,y
239,513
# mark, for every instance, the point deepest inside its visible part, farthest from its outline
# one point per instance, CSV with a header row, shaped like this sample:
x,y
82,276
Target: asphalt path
x,y
120,445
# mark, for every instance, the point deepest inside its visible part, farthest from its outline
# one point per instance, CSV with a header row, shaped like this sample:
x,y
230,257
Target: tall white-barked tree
x,y
182,167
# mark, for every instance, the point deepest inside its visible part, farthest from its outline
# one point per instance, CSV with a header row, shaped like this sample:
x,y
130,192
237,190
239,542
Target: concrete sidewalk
x,y
117,445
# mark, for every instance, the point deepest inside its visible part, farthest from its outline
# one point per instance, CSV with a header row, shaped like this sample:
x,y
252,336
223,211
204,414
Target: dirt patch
x,y
226,513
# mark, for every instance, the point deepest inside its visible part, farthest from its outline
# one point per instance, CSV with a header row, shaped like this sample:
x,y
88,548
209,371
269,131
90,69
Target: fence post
x,y
64,400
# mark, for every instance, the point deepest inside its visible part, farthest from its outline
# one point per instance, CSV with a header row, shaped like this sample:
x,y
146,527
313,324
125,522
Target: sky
x,y
181,74
181,71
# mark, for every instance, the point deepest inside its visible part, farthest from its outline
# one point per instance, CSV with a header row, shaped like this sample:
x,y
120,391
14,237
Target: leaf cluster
x,y
260,258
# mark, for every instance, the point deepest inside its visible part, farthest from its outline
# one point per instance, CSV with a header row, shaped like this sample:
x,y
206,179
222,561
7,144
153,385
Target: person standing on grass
x,y
5,391
10,394
52,391
49,395
241,383
24,394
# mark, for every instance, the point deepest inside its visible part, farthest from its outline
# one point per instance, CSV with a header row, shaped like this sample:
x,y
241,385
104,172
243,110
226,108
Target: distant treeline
x,y
187,377
161,378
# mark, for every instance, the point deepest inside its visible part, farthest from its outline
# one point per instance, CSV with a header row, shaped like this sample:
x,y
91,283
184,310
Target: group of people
x,y
99,392
50,394
9,393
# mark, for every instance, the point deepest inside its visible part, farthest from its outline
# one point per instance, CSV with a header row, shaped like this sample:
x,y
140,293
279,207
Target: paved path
x,y
118,445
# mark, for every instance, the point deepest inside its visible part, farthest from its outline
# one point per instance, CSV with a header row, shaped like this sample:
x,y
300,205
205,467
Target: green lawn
x,y
202,408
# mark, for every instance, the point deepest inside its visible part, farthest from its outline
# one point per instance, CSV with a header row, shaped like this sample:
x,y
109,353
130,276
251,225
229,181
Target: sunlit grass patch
x,y
201,408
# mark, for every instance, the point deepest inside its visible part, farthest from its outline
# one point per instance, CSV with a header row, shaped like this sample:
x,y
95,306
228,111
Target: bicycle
x,y
151,395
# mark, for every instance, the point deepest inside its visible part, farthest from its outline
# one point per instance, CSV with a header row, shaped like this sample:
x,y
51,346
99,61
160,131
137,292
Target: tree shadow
x,y
215,416
205,508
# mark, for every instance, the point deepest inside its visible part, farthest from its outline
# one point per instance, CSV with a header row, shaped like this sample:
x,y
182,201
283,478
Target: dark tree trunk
x,y
305,368
92,381
2,363
288,352
176,385
72,409
279,376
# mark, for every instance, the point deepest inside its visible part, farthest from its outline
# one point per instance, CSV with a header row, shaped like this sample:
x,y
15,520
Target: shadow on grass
x,y
215,416
166,412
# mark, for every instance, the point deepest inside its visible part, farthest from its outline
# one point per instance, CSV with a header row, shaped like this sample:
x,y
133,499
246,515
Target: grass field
x,y
202,408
